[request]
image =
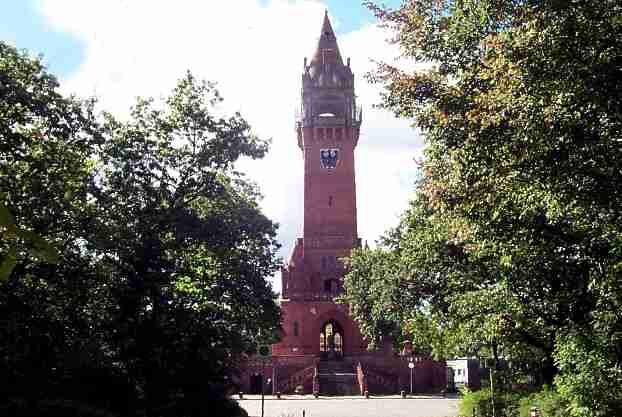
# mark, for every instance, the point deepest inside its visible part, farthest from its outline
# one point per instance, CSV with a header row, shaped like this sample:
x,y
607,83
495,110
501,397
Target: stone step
x,y
338,384
326,367
336,373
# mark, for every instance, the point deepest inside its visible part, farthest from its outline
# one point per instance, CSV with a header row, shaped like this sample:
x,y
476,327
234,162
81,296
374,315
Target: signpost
x,y
411,365
264,353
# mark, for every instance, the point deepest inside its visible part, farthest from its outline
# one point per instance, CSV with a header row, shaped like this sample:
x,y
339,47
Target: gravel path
x,y
389,406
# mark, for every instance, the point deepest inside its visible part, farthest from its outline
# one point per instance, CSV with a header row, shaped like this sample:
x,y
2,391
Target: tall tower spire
x,y
314,327
327,47
327,131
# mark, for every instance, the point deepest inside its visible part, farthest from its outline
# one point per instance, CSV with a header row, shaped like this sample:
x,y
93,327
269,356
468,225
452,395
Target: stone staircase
x,y
337,378
303,377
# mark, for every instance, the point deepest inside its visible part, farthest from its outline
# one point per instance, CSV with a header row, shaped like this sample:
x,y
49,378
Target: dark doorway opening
x,y
256,383
331,341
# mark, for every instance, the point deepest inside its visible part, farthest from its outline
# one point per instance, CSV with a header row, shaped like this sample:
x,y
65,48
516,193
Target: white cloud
x,y
255,52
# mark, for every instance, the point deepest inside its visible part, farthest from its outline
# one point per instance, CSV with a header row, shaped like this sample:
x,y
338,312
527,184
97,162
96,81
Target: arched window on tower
x,y
329,330
295,328
330,201
338,343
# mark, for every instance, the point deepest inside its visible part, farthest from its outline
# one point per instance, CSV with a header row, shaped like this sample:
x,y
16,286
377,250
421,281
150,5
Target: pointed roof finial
x,y
327,28
327,42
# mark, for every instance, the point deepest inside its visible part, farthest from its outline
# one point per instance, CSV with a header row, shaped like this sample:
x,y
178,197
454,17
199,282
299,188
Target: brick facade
x,y
319,337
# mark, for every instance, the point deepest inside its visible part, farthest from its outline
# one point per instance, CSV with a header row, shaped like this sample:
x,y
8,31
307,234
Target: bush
x,y
548,402
479,403
472,400
590,378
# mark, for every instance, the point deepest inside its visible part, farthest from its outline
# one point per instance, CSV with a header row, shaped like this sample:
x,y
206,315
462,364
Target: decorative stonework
x,y
329,157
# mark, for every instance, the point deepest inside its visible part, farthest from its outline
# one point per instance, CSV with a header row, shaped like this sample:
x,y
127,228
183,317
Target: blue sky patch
x,y
353,15
22,25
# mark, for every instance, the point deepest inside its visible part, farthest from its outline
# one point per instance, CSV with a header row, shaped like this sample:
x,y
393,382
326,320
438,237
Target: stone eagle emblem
x,y
329,158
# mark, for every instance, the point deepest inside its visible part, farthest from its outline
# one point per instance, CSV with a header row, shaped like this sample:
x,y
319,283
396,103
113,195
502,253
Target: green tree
x,y
431,283
520,109
45,143
188,249
46,285
138,255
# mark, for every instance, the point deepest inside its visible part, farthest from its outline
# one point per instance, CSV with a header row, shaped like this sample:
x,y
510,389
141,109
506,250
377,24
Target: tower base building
x,y
322,349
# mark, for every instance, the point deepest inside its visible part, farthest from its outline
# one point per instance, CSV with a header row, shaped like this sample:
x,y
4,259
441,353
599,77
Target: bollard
x,y
278,395
303,413
403,393
534,412
241,394
366,394
316,394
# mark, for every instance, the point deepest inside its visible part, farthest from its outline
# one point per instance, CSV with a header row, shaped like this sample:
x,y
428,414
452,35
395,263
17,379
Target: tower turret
x,y
327,87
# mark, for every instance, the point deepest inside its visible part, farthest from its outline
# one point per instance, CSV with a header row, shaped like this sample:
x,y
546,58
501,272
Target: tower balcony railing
x,y
328,119
323,120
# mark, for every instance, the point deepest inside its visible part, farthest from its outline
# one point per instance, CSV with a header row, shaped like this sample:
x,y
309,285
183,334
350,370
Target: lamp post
x,y
263,351
263,369
411,365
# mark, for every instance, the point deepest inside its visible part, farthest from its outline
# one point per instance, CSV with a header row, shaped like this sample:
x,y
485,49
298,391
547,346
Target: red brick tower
x,y
328,131
321,349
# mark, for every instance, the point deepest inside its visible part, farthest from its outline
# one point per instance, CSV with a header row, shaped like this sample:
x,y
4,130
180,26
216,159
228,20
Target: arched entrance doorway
x,y
331,341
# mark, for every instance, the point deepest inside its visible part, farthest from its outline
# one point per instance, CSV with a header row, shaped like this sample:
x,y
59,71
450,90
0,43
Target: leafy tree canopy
x,y
513,243
137,254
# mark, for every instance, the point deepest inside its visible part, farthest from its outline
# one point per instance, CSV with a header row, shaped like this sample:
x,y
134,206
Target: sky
x,y
117,50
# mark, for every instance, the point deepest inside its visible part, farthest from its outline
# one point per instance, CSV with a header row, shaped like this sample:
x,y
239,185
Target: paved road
x,y
392,406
